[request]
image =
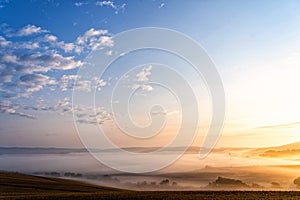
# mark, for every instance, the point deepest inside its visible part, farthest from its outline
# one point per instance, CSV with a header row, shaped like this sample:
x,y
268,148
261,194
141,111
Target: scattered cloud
x,y
89,34
83,85
93,39
112,5
79,4
66,47
29,30
42,65
91,115
67,82
8,108
142,76
161,5
24,65
106,3
4,42
35,82
146,87
141,79
99,84
109,53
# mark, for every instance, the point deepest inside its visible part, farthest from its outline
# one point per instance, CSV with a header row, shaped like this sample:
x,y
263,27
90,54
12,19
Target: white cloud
x,y
88,34
161,5
101,83
5,78
4,42
134,86
91,115
87,85
8,108
62,103
146,87
112,5
28,45
109,53
173,112
106,3
67,82
35,82
106,41
50,38
27,67
67,47
84,85
103,41
142,76
9,58
34,88
21,59
53,60
29,30
93,39
33,78
78,4
121,8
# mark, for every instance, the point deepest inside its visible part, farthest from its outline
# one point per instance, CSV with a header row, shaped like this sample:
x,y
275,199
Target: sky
x,y
255,46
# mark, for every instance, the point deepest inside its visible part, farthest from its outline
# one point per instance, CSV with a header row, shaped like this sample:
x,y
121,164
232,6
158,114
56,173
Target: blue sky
x,y
254,44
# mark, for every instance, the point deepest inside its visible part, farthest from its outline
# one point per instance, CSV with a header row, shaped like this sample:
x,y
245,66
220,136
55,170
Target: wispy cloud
x,y
79,4
112,5
8,108
161,5
106,3
4,3
94,116
288,125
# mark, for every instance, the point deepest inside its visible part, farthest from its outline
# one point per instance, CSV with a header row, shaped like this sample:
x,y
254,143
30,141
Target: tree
x,y
275,185
297,182
165,182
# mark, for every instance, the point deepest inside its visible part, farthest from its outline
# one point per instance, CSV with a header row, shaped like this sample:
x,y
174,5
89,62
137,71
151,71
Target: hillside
x,y
295,145
20,186
15,185
288,150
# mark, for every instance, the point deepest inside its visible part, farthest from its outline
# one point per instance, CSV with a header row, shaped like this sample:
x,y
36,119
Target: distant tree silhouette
x,y
227,182
297,182
165,182
275,185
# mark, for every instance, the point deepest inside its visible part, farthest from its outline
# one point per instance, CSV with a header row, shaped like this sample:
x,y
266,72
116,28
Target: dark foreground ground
x,y
19,186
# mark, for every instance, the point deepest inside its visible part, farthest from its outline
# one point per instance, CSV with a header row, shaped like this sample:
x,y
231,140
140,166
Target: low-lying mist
x,y
224,168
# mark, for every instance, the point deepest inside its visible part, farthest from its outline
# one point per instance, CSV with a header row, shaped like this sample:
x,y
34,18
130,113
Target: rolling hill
x,y
288,150
20,186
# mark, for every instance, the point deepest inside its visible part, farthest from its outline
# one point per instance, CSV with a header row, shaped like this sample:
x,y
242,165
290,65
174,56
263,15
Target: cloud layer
x,y
34,62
